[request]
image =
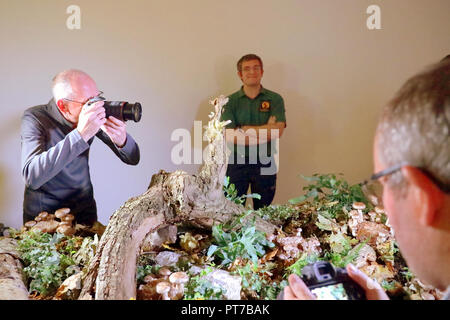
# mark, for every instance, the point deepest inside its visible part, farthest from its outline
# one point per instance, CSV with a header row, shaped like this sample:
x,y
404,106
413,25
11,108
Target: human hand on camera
x,y
116,131
372,288
297,289
91,118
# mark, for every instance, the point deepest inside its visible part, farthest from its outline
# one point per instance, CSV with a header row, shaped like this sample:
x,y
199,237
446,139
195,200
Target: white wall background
x,y
174,56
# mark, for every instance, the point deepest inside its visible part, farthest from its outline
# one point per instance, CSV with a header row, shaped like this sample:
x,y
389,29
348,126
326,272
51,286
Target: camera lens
x,y
132,112
123,111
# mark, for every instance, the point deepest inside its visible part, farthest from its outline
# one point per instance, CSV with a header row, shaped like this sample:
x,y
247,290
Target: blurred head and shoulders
x,y
414,132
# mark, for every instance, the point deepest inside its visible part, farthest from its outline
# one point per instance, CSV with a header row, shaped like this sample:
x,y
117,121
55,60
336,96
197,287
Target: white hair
x,y
62,83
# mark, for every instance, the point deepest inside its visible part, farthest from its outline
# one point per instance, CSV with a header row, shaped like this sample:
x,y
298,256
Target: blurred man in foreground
x,y
412,155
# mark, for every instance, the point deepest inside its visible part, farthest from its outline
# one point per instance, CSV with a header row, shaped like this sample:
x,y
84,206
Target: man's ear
x,y
61,106
429,198
239,73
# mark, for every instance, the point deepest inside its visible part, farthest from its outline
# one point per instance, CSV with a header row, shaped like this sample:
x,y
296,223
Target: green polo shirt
x,y
242,111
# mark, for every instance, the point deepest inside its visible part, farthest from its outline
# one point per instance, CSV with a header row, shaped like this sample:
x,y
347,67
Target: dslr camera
x,y
121,110
327,282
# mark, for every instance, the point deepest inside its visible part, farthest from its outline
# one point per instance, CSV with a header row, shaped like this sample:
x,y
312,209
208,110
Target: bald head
x,y
71,90
70,83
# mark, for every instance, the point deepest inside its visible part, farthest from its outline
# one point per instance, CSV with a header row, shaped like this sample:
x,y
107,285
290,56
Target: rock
x,y
70,289
167,258
195,270
230,285
155,239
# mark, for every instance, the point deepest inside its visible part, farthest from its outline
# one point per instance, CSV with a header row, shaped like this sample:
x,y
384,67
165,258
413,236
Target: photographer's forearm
x,y
129,153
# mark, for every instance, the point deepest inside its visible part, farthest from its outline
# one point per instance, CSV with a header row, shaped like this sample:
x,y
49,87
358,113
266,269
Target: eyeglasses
x,y
99,95
248,69
386,172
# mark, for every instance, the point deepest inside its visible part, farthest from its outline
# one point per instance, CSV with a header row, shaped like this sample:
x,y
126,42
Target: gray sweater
x,y
55,164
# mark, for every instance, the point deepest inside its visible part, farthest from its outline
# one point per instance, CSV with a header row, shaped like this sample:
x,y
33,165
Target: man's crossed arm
x,y
253,135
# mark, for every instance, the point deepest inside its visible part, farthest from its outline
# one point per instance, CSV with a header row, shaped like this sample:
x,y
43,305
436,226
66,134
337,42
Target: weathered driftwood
x,y
12,286
171,198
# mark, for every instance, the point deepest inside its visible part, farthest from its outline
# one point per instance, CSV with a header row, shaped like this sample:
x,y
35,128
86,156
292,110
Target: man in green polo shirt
x,y
257,120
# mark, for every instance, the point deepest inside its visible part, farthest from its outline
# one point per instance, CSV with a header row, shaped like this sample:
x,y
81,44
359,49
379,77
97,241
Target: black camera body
x,y
120,109
330,283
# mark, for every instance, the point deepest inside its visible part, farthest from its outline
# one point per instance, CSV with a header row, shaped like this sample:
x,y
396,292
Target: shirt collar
x,y
242,93
53,110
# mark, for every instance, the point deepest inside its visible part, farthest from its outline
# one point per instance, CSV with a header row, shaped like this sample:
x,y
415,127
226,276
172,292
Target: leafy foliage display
x,y
232,195
277,214
47,261
256,281
200,288
332,195
312,227
235,239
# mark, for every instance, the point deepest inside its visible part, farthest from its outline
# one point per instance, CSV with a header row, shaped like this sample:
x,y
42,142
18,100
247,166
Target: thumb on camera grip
x,y
360,277
298,289
371,287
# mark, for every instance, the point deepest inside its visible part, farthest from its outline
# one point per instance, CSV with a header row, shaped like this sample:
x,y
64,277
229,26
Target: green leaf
x,y
245,242
324,223
253,195
45,264
303,261
297,200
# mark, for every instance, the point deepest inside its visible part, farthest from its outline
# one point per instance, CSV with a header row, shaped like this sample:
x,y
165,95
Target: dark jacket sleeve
x,y
38,164
129,153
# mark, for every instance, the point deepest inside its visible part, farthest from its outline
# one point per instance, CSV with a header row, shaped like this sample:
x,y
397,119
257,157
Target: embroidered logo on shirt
x,y
265,106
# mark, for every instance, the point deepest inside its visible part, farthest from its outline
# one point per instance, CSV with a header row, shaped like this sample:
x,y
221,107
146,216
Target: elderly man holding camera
x,y
412,158
55,140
